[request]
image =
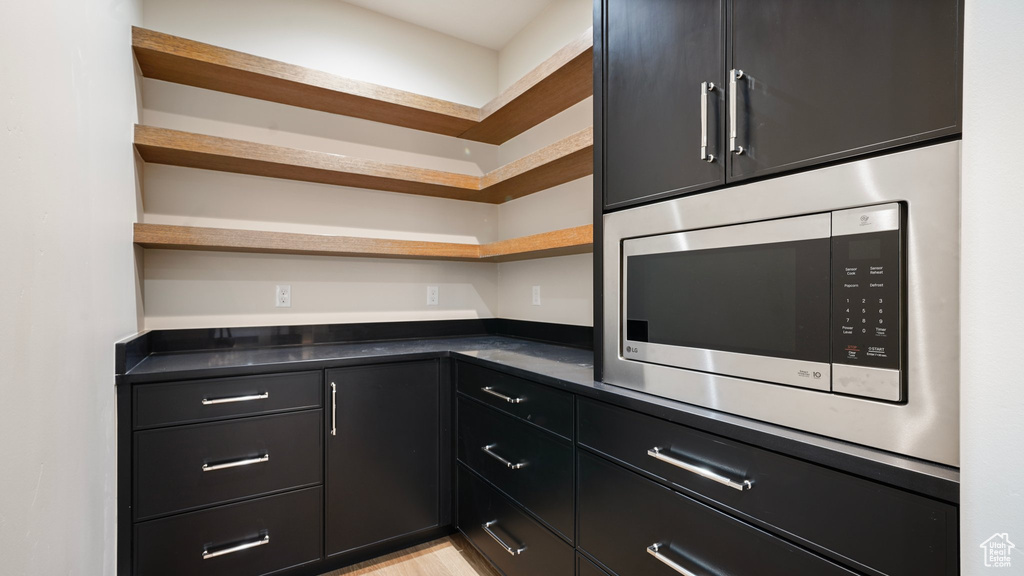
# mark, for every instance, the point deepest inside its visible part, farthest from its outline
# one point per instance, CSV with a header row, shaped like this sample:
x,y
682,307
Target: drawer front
x,y
623,516
544,406
219,398
863,522
280,531
537,471
188,467
534,550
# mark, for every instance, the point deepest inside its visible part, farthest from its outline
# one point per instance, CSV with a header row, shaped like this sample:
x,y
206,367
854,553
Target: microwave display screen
x,y
870,249
762,299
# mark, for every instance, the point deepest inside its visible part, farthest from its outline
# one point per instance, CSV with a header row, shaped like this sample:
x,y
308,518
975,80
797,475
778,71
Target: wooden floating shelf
x,y
561,162
561,81
577,240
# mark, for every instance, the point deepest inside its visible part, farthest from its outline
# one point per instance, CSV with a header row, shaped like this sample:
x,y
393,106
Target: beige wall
x,y
67,184
193,289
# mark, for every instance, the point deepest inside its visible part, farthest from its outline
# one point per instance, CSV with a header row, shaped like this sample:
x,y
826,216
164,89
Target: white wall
x,y
67,104
560,23
338,38
194,289
992,393
566,282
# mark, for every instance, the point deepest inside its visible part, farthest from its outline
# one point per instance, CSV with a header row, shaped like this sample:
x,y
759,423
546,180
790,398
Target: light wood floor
x,y
449,556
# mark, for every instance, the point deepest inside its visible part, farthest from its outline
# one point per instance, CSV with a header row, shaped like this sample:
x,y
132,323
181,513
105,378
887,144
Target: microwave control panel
x,y
867,302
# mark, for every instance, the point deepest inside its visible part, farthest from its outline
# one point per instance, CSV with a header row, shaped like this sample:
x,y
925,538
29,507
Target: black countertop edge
x,y
131,351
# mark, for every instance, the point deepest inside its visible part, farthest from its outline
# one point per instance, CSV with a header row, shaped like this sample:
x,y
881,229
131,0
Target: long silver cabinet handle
x,y
237,463
489,449
734,75
249,398
700,471
490,390
705,87
513,551
655,550
263,541
334,409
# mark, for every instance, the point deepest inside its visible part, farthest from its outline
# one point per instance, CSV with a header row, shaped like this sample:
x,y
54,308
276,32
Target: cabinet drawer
x,y
525,549
624,516
864,522
544,406
537,471
188,467
219,398
287,528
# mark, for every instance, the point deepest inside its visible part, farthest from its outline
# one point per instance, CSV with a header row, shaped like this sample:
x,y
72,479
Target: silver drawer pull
x,y
655,550
334,409
734,75
509,399
263,541
489,450
705,87
251,397
513,551
237,463
700,471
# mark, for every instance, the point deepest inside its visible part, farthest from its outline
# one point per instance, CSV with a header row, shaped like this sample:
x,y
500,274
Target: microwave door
x,y
751,301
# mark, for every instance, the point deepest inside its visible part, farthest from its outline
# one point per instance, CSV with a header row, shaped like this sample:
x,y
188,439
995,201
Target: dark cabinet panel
x,y
536,403
383,453
861,521
251,538
828,79
625,518
585,567
221,398
657,54
533,467
510,539
185,467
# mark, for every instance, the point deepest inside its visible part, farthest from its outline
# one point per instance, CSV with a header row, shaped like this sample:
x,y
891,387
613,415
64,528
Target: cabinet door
x,y
383,440
657,53
828,79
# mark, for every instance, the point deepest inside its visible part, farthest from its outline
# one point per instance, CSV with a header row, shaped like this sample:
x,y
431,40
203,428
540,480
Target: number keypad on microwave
x,y
866,300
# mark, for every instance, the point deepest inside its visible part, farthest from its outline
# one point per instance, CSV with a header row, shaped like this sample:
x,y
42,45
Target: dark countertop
x,y
571,369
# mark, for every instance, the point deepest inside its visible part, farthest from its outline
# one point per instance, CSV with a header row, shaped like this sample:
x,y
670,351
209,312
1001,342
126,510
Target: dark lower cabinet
x,y
637,527
383,443
513,541
251,538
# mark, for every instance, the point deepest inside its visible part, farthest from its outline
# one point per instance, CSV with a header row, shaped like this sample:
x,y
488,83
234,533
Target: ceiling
x,y
489,23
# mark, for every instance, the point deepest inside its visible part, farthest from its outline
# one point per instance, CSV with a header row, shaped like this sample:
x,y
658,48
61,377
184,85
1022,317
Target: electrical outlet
x,y
283,296
536,295
432,293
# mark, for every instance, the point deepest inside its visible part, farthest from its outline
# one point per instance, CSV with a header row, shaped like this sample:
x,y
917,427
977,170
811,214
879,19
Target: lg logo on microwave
x,y
631,350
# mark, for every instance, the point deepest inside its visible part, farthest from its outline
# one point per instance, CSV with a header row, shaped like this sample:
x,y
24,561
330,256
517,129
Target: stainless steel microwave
x,y
825,301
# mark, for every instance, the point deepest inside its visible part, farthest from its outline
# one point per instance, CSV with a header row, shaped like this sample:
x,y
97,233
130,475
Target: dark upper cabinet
x,y
383,453
822,80
828,79
657,55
